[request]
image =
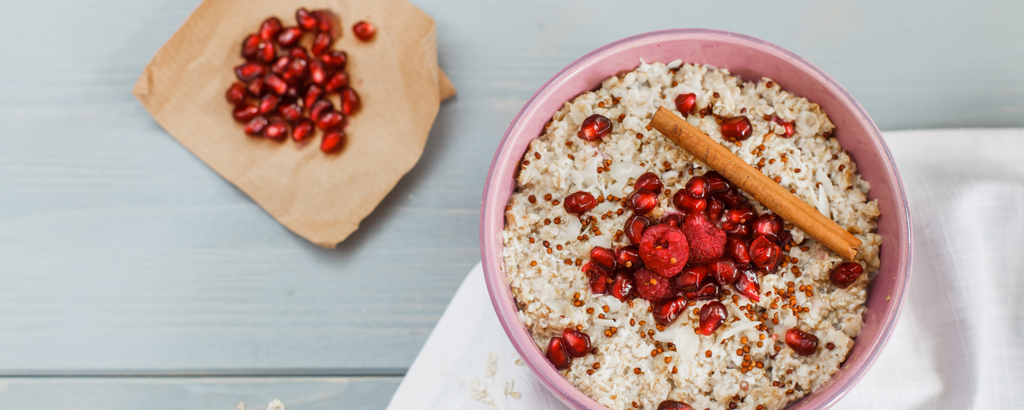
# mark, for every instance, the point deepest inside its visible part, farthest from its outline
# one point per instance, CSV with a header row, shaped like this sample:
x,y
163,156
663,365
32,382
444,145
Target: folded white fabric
x,y
958,345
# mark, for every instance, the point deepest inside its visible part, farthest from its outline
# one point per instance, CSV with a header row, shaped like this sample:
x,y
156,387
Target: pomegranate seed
x,y
668,310
276,84
598,279
330,120
305,19
332,141
255,87
250,47
712,315
747,285
298,52
268,104
320,43
576,343
364,30
622,285
256,125
268,52
326,22
736,128
689,278
717,184
595,127
706,291
732,198
319,107
557,355
650,181
296,71
736,249
603,257
349,100
289,36
335,59
672,404
277,129
579,203
643,201
249,71
245,112
674,220
787,125
291,94
628,257
664,249
302,130
785,238
336,82
697,187
317,72
688,203
280,65
803,343
635,227
742,230
723,270
769,226
715,209
313,93
740,215
291,112
685,103
844,274
235,93
269,28
765,254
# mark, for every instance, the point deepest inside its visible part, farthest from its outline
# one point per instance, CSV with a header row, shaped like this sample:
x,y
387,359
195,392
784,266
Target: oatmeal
x,y
648,279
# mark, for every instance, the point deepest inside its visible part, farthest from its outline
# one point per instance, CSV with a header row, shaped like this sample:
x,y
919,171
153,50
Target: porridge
x,y
650,282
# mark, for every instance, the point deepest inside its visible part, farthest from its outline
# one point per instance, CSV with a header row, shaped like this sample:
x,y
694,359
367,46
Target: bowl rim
x,y
498,287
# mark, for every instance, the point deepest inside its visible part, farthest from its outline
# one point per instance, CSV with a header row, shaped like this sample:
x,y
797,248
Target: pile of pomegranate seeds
x,y
286,88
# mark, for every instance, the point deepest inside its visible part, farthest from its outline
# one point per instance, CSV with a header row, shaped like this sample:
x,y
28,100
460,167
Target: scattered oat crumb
x,y
478,392
519,362
275,405
240,406
509,392
492,365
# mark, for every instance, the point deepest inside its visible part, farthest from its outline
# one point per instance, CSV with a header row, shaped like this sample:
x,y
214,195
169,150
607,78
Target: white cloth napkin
x,y
958,345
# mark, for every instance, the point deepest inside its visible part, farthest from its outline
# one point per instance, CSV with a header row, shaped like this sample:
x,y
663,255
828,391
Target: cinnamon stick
x,y
766,191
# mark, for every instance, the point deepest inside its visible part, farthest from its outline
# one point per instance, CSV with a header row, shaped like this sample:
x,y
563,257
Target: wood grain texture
x,y
224,393
120,250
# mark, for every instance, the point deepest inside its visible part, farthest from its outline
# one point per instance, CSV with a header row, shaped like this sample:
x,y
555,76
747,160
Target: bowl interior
x,y
750,59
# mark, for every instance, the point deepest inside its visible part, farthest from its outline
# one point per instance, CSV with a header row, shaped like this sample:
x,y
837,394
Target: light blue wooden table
x,y
133,277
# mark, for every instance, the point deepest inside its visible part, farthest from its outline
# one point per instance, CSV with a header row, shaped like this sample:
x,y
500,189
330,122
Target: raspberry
x,y
707,242
664,250
651,286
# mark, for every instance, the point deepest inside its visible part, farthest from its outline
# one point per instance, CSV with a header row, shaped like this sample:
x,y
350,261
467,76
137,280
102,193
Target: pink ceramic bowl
x,y
751,59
